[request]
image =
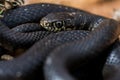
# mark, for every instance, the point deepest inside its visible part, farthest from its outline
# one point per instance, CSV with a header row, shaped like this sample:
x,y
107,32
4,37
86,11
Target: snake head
x,y
58,21
13,3
9,4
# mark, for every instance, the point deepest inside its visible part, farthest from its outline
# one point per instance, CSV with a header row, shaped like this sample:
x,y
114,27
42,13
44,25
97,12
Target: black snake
x,y
74,55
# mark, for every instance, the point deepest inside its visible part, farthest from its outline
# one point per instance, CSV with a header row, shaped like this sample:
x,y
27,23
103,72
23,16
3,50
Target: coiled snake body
x,y
65,51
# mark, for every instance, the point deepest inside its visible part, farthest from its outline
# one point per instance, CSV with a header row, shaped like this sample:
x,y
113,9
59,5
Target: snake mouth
x,y
53,29
48,28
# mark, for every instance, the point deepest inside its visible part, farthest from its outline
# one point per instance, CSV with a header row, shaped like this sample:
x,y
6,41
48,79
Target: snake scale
x,y
66,55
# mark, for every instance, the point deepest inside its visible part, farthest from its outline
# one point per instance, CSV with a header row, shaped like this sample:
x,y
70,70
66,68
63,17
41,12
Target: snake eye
x,y
14,4
58,24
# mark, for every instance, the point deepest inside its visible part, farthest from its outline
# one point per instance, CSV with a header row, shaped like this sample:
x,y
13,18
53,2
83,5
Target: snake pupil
x,y
58,24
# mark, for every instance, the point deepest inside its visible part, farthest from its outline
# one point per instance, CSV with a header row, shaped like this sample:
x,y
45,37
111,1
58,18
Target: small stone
x,y
6,57
116,15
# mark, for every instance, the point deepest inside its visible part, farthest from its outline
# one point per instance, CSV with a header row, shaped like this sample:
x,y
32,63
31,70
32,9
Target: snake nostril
x,y
47,24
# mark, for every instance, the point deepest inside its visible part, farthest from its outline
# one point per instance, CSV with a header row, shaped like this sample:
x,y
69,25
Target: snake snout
x,y
45,24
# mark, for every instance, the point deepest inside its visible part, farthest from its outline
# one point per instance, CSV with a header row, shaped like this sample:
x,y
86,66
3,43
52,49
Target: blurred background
x,y
102,7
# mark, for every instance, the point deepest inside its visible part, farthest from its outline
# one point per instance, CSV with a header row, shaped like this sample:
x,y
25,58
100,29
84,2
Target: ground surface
x,y
101,7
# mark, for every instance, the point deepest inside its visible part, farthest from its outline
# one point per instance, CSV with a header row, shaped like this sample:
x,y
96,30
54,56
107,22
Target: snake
x,y
54,54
